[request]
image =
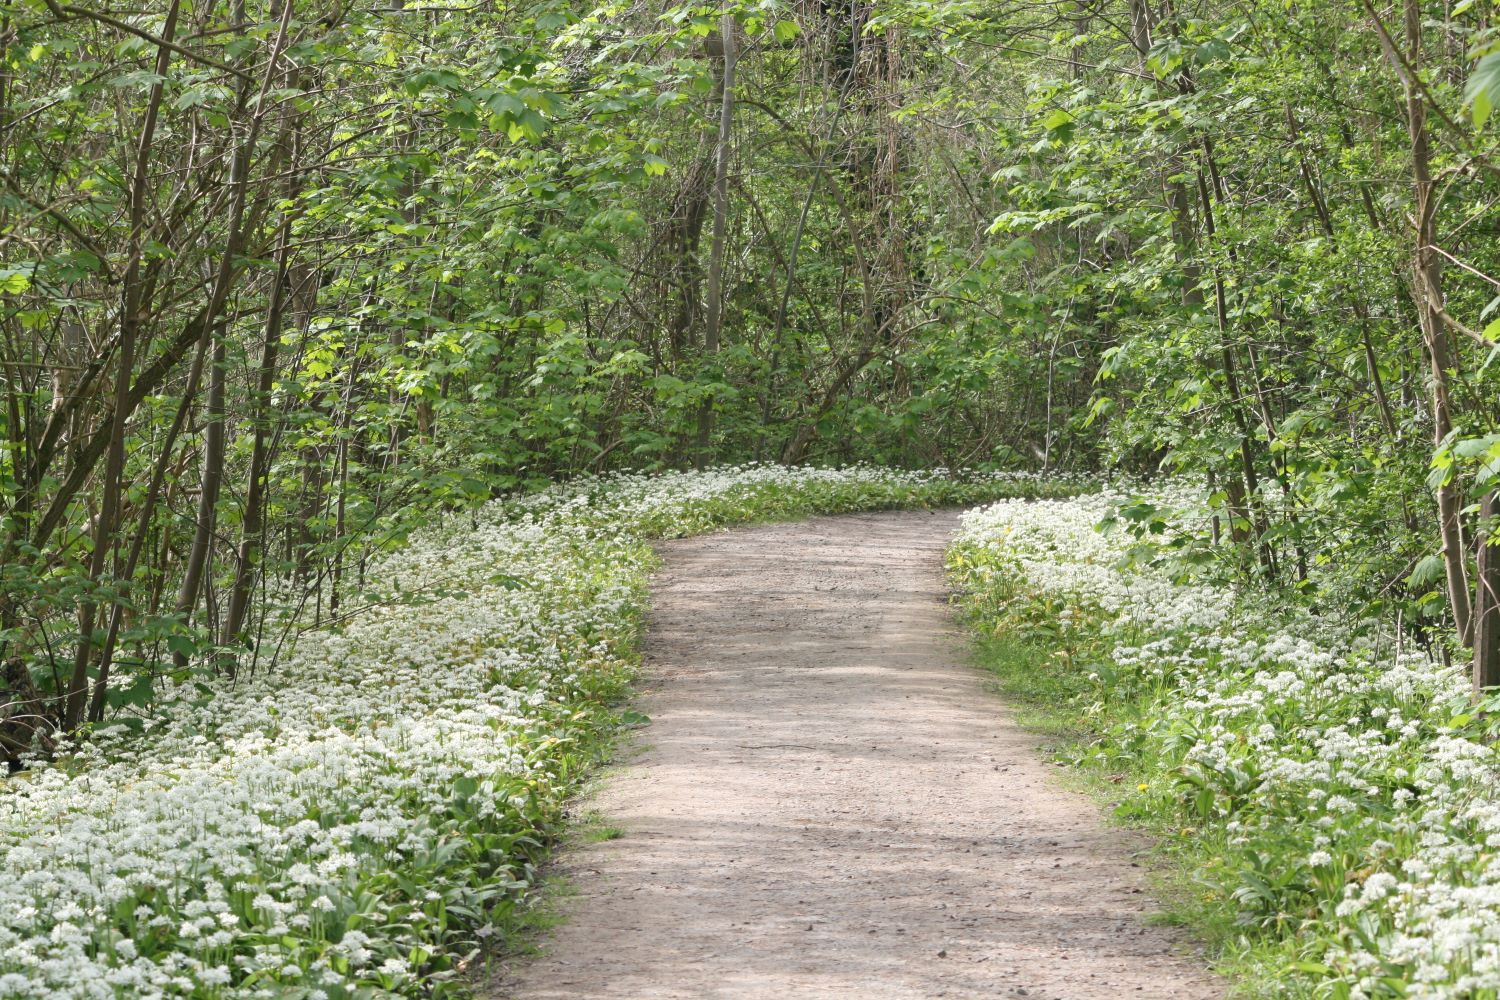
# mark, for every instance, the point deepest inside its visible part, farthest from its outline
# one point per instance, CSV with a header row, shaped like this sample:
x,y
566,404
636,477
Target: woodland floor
x,y
829,803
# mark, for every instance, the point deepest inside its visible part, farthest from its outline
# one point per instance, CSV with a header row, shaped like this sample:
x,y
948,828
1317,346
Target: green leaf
x,y
1055,119
443,79
1428,569
197,97
527,125
1476,447
138,693
502,102
138,78
14,281
1482,88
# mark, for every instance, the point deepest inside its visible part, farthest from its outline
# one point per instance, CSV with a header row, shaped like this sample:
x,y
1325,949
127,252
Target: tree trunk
x,y
1487,600
714,293
255,490
130,328
1427,292
208,491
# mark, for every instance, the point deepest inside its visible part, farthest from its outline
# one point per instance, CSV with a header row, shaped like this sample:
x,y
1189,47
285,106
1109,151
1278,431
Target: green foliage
x,y
404,261
1300,774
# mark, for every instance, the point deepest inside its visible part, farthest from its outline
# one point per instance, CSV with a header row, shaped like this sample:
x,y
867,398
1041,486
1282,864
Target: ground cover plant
x,y
1332,792
362,818
285,282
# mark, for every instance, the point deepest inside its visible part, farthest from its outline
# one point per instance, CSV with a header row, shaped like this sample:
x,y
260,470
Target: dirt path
x,y
830,805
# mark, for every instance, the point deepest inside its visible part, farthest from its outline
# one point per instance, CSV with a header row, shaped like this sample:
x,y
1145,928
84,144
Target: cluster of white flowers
x,y
351,822
1358,800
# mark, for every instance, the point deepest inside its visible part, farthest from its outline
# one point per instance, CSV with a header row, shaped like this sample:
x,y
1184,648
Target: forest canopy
x,y
280,280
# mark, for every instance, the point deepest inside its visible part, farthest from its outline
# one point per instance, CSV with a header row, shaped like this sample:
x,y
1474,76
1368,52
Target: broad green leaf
x,y
1483,88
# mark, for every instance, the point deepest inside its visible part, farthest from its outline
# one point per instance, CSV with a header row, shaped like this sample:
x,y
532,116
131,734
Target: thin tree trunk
x,y
208,491
714,306
255,492
213,461
126,571
1487,600
1428,294
130,327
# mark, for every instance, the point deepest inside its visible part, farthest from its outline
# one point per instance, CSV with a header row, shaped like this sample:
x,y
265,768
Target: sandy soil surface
x,y
830,804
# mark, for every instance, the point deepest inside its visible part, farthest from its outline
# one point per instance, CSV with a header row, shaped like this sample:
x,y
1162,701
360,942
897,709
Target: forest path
x,y
829,803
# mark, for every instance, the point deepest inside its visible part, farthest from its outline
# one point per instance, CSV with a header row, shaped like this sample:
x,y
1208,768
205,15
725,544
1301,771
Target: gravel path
x,y
829,804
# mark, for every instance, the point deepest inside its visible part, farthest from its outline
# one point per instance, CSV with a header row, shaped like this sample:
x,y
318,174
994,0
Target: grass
x,y
543,907
1049,698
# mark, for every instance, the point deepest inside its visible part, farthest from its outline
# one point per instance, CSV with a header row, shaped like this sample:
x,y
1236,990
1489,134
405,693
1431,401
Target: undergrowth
x,y
1324,802
366,820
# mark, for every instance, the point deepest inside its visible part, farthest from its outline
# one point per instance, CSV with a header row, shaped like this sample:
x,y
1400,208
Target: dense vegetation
x,y
1325,793
373,829
280,279
282,283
